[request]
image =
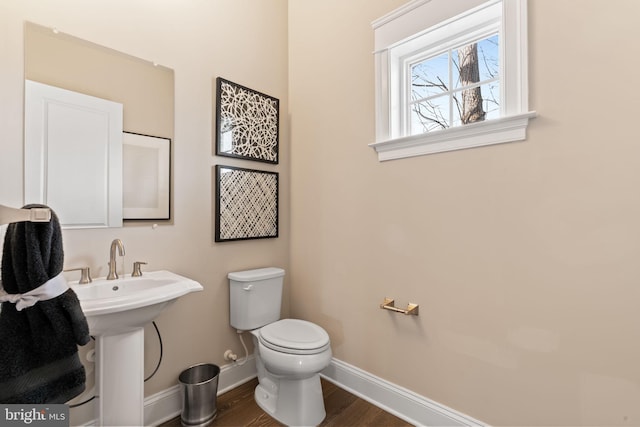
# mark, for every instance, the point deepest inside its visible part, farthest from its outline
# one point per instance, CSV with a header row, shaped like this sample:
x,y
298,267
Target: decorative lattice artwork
x,y
246,204
247,123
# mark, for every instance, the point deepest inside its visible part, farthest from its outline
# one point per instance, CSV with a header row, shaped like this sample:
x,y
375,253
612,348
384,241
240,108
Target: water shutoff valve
x,y
230,355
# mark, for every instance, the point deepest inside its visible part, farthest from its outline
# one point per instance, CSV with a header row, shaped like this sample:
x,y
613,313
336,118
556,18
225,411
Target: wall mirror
x,y
79,174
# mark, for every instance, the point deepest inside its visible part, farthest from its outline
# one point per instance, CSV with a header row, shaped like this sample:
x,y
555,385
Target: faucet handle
x,y
85,274
136,268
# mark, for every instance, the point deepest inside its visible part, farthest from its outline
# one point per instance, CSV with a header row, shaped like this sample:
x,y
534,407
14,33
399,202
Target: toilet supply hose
x,y
246,352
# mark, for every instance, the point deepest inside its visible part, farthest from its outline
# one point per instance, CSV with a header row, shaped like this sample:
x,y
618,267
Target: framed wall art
x,y
146,177
247,123
246,204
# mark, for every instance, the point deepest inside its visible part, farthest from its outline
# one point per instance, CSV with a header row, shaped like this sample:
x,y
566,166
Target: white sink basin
x,y
114,306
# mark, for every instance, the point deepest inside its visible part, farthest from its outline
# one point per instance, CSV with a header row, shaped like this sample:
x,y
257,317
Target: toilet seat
x,y
294,336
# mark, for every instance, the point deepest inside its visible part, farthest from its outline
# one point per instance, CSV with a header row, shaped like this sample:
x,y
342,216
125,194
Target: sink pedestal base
x,y
120,378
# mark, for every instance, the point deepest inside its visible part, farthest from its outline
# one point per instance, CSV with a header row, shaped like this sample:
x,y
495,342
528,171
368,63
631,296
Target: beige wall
x,y
523,257
242,40
146,91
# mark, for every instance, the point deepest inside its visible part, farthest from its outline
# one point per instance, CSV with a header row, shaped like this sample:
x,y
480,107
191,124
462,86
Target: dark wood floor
x,y
238,408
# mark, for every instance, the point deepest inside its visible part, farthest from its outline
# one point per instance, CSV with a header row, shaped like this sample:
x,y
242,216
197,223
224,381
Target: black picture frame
x,y
247,123
246,204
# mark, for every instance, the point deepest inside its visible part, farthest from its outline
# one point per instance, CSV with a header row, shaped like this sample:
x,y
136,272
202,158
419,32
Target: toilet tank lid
x,y
256,274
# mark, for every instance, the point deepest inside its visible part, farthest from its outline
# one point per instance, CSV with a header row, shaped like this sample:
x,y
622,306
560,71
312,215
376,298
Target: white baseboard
x,y
167,404
402,403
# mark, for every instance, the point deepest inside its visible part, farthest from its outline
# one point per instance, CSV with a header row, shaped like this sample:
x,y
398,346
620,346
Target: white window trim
x,y
404,24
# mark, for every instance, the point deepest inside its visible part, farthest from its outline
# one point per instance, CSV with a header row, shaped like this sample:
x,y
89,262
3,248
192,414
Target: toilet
x,y
289,353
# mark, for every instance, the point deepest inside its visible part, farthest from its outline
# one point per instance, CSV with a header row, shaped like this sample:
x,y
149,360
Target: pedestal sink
x,y
117,311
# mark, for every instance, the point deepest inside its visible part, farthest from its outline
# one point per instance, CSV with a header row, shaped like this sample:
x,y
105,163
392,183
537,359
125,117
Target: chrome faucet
x,y
117,243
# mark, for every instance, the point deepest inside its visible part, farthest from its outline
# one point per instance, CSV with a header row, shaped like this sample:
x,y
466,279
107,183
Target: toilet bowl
x,y
289,353
293,347
289,386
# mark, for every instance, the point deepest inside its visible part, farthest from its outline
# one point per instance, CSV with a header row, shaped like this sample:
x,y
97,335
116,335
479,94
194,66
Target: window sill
x,y
499,131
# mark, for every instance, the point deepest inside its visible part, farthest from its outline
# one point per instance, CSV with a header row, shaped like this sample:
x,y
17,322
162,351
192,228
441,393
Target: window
x,y
450,78
458,86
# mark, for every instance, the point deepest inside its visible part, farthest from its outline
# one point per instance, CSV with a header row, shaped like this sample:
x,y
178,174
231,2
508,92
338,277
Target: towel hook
x,y
389,304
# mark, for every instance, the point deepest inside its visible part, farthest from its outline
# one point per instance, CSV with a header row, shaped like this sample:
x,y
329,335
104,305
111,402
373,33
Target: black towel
x,y
39,360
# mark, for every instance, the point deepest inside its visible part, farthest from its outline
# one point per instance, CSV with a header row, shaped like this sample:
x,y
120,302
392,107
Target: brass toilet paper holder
x,y
389,304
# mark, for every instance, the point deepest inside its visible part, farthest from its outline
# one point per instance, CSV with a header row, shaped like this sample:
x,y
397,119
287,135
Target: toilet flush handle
x,y
247,288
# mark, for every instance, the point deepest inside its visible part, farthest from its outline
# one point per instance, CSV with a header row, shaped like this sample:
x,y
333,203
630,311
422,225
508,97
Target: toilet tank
x,y
255,297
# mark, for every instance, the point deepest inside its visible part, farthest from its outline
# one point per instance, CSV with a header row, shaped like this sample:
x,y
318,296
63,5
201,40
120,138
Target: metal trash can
x,y
199,390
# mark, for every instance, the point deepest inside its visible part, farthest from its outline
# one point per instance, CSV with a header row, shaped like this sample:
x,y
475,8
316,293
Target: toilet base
x,y
292,402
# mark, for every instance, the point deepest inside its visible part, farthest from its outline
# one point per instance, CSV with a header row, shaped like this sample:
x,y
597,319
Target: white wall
x,y
241,40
